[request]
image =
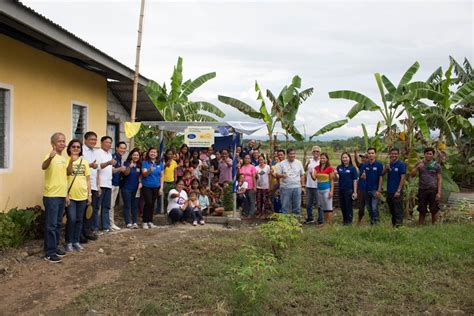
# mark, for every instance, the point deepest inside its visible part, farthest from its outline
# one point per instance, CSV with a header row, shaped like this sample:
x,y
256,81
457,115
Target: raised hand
x,y
93,164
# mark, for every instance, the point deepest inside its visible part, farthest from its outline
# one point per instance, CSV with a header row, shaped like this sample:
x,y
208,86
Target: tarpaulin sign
x,y
199,136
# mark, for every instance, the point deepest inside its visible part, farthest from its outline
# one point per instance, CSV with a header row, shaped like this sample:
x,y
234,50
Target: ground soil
x,y
32,286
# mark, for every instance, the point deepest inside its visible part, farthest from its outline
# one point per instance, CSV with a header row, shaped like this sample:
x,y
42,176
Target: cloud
x,y
330,45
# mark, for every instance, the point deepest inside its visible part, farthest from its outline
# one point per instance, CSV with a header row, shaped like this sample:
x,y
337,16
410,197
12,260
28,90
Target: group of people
x,y
193,186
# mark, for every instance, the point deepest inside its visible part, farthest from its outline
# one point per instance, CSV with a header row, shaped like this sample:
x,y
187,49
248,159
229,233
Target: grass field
x,y
334,270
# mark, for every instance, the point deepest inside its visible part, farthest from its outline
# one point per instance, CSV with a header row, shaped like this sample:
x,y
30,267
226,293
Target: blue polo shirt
x,y
372,174
130,182
361,182
347,175
153,179
116,176
394,175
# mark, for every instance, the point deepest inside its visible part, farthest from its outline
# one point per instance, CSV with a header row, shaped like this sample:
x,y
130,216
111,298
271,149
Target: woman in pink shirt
x,y
250,173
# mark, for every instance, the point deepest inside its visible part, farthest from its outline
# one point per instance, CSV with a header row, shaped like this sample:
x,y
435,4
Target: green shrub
x,y
281,231
9,236
250,277
19,225
228,198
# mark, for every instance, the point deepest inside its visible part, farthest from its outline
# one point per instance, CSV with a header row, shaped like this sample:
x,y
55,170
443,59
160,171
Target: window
x,y
79,121
5,128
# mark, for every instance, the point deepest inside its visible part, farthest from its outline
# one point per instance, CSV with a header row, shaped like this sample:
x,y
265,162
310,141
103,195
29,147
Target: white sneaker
x,y
145,226
135,226
129,226
114,227
201,222
195,223
151,225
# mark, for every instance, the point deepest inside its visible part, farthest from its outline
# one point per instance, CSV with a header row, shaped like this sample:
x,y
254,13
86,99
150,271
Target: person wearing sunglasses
x,y
79,194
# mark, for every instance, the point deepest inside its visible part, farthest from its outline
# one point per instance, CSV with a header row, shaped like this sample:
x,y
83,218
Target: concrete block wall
x,y
116,113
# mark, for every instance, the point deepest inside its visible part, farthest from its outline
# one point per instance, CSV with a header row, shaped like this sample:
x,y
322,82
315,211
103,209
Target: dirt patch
x,y
30,285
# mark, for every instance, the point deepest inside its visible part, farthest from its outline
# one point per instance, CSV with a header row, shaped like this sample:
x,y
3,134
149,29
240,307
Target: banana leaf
x,y
366,137
463,93
329,127
241,106
196,83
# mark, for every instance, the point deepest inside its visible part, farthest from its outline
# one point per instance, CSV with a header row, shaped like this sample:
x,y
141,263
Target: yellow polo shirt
x,y
55,177
168,174
79,187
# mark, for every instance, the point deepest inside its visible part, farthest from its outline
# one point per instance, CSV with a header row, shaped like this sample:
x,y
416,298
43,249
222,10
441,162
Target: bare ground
x,y
32,286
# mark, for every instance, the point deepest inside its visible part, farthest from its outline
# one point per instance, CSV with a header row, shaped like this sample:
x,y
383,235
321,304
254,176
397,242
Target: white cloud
x,y
331,45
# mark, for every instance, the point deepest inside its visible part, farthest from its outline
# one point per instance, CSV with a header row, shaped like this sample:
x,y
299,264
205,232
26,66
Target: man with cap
x,y
312,187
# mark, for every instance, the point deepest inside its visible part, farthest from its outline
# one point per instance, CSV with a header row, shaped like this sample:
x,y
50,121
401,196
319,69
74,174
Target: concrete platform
x,y
163,220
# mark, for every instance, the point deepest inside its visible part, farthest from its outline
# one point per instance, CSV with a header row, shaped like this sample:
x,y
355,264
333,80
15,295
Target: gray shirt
x,y
293,171
428,177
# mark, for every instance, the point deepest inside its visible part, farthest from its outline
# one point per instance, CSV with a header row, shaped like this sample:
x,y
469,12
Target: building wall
x,y
116,113
44,88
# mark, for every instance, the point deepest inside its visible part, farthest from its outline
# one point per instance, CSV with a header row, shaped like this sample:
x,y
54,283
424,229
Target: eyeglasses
x,y
75,146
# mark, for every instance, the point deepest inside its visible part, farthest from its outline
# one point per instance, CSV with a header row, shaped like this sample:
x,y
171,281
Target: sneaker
x,y
201,222
151,225
106,231
77,246
195,223
129,226
68,248
145,226
114,227
52,259
135,226
309,221
60,253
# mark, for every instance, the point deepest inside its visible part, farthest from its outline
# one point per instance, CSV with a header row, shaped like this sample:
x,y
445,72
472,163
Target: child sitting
x,y
193,203
196,172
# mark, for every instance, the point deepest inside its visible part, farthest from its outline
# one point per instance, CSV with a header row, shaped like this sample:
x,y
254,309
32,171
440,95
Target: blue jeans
x,y
75,214
105,200
345,201
130,203
372,203
251,198
177,214
197,214
54,208
290,200
311,198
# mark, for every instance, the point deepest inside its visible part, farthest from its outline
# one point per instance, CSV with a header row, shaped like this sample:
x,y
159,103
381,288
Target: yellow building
x,y
51,81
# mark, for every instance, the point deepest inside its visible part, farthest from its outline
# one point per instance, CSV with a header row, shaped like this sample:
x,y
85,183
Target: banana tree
x,y
262,112
395,101
175,105
286,106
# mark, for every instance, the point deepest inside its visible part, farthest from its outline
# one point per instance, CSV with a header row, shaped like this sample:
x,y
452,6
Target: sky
x,y
331,45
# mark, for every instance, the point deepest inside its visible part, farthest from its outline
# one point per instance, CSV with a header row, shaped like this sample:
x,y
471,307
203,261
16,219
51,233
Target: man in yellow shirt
x,y
170,174
54,196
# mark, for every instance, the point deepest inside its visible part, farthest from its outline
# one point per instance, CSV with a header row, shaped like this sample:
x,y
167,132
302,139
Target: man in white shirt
x,y
291,175
312,187
89,154
104,180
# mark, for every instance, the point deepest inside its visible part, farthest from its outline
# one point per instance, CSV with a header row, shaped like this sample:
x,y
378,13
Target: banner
x,y
199,136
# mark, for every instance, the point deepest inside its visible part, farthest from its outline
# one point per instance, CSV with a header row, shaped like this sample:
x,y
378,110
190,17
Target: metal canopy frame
x,y
180,126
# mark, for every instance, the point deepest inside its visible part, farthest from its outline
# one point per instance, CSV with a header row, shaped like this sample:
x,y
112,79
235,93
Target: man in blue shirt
x,y
361,195
372,174
117,170
395,180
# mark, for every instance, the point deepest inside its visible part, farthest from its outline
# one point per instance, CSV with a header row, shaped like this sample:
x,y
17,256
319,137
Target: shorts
x,y
427,198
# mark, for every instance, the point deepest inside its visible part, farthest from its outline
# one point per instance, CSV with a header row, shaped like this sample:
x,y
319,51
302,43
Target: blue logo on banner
x,y
191,136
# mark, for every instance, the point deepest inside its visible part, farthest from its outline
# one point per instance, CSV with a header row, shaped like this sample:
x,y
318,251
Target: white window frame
x,y
9,129
79,103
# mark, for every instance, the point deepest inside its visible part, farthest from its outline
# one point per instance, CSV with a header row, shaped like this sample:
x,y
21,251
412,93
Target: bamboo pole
x,y
137,67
